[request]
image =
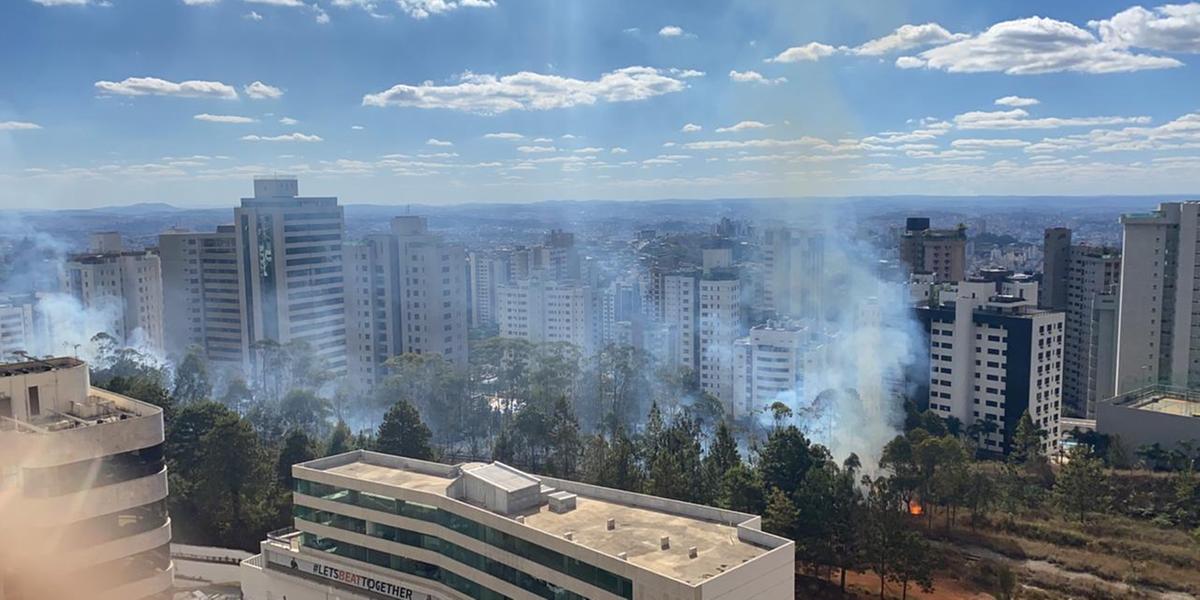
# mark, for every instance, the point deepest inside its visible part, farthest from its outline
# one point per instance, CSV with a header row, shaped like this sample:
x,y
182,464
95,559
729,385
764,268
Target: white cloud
x,y
988,143
153,86
1169,28
289,3
685,73
743,126
503,135
322,16
1016,101
421,9
589,150
754,77
907,37
223,118
568,136
200,2
542,140
670,31
1032,46
536,149
61,2
18,125
631,30
261,91
691,128
252,16
437,142
287,121
289,137
809,52
619,150
758,143
357,127
1019,119
489,94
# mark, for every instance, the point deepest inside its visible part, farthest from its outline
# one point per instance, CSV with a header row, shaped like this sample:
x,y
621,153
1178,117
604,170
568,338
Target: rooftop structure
x,y
548,534
1156,414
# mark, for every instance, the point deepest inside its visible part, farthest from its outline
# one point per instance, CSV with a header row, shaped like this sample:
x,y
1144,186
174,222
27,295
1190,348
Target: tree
x,y
980,495
238,395
913,562
403,434
675,468
341,440
1082,486
564,441
780,515
232,481
146,388
191,378
741,489
785,459
297,448
305,410
883,528
1026,446
722,456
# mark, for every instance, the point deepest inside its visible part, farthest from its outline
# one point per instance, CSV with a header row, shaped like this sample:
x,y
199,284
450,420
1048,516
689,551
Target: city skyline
x,y
370,101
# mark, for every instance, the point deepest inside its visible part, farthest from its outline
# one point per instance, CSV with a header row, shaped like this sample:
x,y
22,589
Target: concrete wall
x,y
1137,427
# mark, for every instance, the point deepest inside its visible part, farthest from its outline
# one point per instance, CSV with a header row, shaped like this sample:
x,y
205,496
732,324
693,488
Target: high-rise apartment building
x,y
793,262
1056,265
1090,347
681,318
993,356
942,252
543,311
406,292
371,526
770,365
719,327
289,255
16,328
84,488
123,285
1159,304
201,303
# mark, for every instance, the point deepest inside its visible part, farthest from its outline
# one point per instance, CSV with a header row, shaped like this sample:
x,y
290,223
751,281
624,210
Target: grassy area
x,y
1116,549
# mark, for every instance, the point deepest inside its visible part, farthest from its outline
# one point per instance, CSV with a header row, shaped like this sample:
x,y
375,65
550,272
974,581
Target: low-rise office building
x,y
374,526
1156,414
83,488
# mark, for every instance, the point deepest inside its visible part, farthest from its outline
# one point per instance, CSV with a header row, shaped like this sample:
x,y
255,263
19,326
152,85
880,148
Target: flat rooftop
x,y
1168,400
637,533
38,366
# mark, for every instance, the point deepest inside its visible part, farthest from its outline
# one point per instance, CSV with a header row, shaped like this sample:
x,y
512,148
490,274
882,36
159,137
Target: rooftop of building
x,y
39,366
721,537
1170,400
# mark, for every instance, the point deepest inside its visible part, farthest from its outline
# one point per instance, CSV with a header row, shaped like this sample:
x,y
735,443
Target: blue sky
x,y
441,101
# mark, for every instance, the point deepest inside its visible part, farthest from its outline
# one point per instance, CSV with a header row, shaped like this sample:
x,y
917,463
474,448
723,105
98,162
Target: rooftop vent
x,y
611,524
570,535
692,552
623,555
664,542
521,519
561,502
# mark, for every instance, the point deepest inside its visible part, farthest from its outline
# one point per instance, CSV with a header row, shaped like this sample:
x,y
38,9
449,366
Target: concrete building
x,y
201,302
16,327
1159,306
793,262
681,317
1056,266
994,355
406,292
544,312
770,365
487,271
124,286
372,526
719,327
84,488
1090,347
289,253
1151,415
942,252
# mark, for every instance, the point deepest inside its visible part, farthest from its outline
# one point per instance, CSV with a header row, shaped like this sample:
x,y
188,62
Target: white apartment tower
x,y
406,292
124,285
1090,349
543,312
201,303
16,328
84,488
1159,303
289,254
719,327
994,355
770,365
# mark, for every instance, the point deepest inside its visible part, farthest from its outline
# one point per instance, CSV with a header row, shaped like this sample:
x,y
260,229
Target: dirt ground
x,y
864,586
